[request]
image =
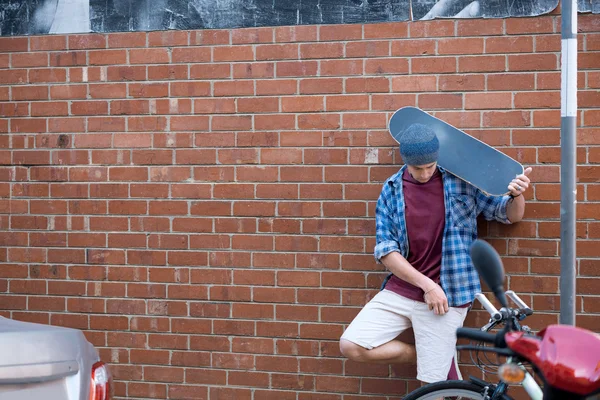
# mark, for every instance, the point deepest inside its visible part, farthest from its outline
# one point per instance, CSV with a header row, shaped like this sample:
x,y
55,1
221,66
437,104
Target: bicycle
x,y
476,388
572,351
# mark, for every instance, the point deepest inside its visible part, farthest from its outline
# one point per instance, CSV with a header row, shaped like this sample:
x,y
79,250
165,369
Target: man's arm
x,y
516,207
434,297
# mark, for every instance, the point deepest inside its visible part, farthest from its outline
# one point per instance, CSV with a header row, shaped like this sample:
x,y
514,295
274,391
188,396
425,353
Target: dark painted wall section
x,y
589,6
109,15
26,17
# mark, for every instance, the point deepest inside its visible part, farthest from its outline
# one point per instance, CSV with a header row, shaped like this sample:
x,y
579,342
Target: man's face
x,y
422,173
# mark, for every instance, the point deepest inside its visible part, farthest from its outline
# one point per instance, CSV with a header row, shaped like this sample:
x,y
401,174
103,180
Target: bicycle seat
x,y
567,356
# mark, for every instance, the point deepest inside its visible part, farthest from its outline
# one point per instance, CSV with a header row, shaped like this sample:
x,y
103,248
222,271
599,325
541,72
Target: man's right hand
x,y
436,299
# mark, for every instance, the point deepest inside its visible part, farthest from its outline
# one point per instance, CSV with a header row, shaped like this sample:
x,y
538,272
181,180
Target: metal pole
x,y
568,168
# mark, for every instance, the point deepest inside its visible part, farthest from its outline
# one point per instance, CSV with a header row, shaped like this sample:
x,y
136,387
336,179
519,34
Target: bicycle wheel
x,y
450,390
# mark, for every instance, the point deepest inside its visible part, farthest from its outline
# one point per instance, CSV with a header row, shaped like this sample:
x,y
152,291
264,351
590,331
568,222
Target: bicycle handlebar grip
x,y
475,334
488,306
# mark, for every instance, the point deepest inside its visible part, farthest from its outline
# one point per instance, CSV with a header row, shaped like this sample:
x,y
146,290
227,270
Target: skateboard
x,y
468,158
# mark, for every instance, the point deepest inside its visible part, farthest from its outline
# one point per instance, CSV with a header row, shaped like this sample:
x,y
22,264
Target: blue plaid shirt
x,y
464,203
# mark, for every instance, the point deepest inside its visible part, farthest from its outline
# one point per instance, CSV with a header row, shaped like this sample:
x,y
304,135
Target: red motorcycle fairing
x,y
567,356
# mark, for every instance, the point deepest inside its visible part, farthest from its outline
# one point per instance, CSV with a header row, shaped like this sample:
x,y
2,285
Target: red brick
x,y
13,44
253,70
392,102
296,33
252,35
167,38
128,39
233,88
270,122
340,32
37,125
49,75
87,41
169,174
258,105
14,76
189,123
277,52
529,62
274,87
233,53
14,109
30,93
25,60
296,68
537,100
148,56
210,71
227,123
68,92
482,64
542,24
126,73
167,72
318,121
479,101
508,118
209,36
302,104
68,59
298,209
423,83
146,124
364,121
89,108
107,57
432,29
367,85
479,27
48,42
441,101
460,46
341,67
149,90
321,50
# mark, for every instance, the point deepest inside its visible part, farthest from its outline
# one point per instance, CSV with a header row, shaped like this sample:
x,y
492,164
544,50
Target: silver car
x,y
47,362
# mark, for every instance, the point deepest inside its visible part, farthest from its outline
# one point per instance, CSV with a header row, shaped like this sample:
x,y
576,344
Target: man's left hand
x,y
519,185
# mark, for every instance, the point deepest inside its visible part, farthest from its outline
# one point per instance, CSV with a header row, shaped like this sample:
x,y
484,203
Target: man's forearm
x,y
515,209
399,266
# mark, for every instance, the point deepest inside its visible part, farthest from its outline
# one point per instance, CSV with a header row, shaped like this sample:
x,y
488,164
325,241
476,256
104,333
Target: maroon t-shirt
x,y
425,219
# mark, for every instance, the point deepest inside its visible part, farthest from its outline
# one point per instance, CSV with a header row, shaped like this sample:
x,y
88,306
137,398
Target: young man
x,y
426,221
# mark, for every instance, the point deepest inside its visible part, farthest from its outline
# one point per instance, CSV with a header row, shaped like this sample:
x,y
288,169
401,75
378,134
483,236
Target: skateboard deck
x,y
468,158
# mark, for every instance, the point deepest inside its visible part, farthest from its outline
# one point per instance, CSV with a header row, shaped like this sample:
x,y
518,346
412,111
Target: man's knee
x,y
352,351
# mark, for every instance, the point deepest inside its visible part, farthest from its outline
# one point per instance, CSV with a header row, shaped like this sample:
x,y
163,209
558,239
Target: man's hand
x,y
436,299
520,184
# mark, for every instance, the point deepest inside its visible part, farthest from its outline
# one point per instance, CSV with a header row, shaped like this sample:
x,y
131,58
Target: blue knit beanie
x,y
419,145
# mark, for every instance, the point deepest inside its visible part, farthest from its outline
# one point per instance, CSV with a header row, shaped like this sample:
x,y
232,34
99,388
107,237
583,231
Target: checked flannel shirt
x,y
464,203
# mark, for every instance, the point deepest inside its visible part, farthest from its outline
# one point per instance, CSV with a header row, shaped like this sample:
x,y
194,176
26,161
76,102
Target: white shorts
x,y
388,314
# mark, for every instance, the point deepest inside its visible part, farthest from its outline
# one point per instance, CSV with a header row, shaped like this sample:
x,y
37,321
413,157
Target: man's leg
x,y
392,352
454,373
371,337
435,340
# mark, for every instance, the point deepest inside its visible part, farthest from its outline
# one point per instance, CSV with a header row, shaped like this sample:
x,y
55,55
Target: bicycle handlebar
x,y
476,334
504,314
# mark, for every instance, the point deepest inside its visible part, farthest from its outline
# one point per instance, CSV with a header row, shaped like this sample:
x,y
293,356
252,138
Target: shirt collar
x,y
396,179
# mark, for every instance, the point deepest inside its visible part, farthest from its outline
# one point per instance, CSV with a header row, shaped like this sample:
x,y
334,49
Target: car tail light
x,y
101,381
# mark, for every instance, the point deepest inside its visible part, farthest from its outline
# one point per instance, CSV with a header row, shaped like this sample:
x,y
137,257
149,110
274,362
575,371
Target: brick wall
x,y
201,203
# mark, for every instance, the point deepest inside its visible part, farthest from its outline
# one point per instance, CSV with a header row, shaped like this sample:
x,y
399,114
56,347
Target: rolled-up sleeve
x,y
493,207
386,231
